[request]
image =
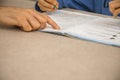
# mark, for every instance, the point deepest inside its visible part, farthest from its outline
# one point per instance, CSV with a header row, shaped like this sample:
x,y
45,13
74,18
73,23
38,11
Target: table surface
x,y
43,56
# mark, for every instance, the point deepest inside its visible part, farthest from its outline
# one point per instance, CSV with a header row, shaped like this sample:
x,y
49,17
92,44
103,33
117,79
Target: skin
x,y
26,19
115,7
47,5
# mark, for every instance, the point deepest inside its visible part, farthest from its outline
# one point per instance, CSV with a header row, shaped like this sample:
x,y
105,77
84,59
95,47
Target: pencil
x,y
54,7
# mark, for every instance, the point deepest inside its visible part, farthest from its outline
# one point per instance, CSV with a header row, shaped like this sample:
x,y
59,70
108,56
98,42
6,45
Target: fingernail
x,y
58,28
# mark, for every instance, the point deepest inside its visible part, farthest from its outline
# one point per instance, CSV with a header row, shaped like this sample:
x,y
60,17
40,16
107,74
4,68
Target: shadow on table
x,y
3,27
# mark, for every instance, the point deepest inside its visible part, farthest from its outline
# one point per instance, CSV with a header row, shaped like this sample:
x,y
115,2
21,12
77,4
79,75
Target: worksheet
x,y
87,27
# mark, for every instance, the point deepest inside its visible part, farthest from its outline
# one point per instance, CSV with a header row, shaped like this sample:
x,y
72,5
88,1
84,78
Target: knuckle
x,y
44,21
36,26
20,17
26,27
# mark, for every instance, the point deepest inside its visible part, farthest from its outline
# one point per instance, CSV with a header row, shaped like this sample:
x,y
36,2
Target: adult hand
x,y
48,5
26,19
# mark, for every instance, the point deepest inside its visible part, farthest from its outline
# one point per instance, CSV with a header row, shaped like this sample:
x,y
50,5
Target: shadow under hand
x,y
4,27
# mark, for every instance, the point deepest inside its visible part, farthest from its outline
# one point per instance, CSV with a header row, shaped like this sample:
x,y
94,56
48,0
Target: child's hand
x,y
48,5
115,7
26,19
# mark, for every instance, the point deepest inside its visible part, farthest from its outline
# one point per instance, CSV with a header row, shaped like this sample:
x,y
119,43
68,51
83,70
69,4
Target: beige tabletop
x,y
43,56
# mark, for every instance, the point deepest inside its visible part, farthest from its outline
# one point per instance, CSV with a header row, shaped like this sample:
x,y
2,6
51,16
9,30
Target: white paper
x,y
104,30
89,27
67,19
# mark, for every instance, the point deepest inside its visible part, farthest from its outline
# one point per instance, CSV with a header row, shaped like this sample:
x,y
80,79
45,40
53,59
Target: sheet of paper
x,y
67,19
105,30
89,27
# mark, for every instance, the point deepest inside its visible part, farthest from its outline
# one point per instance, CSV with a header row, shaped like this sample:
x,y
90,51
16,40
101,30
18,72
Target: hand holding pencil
x,y
48,5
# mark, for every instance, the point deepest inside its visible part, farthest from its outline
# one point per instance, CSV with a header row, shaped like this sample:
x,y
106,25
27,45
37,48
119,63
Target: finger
x,y
52,1
43,8
45,19
116,12
38,16
114,5
33,22
24,25
51,22
43,26
57,5
45,4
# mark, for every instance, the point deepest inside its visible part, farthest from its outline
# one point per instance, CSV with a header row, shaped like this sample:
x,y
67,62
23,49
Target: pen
x,y
54,7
